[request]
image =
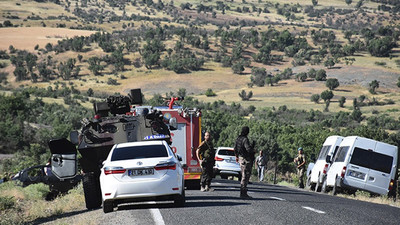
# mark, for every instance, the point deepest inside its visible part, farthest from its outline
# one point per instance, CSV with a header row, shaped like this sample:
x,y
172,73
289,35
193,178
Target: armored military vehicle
x,y
116,120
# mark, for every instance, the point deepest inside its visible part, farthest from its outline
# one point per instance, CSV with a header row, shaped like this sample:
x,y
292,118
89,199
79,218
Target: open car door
x,y
63,158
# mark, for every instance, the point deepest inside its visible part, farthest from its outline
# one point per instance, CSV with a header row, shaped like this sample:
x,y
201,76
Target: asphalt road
x,y
271,204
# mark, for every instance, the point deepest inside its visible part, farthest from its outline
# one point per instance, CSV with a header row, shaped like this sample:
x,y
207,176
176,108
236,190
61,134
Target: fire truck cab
x,y
185,138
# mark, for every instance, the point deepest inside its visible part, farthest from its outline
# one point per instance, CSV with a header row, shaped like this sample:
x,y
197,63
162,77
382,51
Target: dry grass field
x,y
353,79
27,38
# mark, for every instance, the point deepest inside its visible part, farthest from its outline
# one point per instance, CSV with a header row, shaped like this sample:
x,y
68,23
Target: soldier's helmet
x,y
300,149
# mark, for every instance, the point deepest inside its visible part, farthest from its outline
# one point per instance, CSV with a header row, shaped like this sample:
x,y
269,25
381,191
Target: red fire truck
x,y
185,139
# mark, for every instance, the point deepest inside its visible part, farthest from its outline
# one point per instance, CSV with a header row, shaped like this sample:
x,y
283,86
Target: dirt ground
x,y
28,37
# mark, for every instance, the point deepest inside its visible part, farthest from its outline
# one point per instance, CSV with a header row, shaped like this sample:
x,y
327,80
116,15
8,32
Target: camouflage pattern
x,y
300,169
207,154
245,167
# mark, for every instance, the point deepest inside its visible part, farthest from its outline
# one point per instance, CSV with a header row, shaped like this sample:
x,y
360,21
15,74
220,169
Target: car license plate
x,y
140,172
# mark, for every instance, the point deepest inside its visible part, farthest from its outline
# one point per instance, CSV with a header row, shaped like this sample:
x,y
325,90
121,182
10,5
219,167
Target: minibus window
x,y
341,155
372,160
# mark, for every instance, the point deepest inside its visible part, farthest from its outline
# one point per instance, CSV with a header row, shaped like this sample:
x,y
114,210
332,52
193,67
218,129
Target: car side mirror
x,y
179,157
173,124
328,159
74,137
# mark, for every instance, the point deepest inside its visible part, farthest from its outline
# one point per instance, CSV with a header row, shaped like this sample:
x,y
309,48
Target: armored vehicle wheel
x,y
91,188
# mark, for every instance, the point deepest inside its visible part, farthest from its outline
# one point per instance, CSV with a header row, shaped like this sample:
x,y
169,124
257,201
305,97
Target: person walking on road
x,y
205,154
300,161
260,164
245,156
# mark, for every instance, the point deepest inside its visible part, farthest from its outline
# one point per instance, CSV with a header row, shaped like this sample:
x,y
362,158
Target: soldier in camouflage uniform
x,y
245,156
205,154
300,161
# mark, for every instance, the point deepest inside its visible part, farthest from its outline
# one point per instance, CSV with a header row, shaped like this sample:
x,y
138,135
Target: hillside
x,y
162,46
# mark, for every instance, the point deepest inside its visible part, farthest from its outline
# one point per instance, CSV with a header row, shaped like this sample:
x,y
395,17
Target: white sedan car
x,y
141,171
225,163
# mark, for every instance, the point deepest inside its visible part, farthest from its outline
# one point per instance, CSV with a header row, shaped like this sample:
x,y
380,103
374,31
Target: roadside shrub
x,y
36,191
210,93
112,81
7,202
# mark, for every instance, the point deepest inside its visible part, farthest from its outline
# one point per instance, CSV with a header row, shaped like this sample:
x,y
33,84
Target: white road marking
x,y
276,198
157,217
314,210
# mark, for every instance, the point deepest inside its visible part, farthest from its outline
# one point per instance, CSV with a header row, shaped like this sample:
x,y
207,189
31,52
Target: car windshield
x,y
324,152
139,152
226,152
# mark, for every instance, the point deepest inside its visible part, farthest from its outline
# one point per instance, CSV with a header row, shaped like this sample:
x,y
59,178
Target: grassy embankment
x,y
20,205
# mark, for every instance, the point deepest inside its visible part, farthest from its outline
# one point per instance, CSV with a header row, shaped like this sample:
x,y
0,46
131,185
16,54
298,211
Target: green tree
x,y
264,54
321,75
210,93
330,62
258,76
238,67
182,92
117,59
381,47
312,73
373,86
44,72
237,51
301,77
90,92
342,100
94,65
20,73
398,82
327,95
315,98
30,60
332,83
245,96
357,115
151,52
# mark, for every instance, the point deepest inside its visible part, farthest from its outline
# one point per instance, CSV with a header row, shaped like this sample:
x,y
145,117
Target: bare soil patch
x,y
28,37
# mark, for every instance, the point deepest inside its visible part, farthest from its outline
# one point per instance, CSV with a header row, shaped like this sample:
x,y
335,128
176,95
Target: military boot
x,y
243,194
202,189
208,188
